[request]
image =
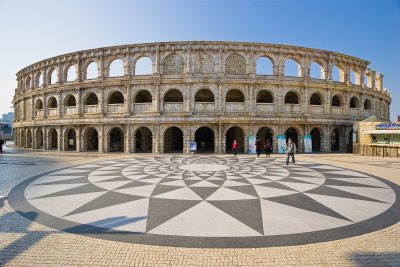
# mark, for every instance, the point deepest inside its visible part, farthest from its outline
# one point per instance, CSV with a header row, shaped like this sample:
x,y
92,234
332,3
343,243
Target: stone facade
x,y
195,91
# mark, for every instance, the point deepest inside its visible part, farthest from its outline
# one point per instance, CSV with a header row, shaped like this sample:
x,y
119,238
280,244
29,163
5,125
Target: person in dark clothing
x,y
235,147
268,149
258,147
1,146
290,150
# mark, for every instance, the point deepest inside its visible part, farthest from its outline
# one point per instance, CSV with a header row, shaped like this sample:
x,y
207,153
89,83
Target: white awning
x,y
383,132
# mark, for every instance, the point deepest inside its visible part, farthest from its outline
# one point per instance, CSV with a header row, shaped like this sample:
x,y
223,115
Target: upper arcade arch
x,y
204,95
143,66
293,68
235,64
173,64
265,66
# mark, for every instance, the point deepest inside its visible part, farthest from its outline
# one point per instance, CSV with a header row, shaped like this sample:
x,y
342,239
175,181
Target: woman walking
x,y
235,147
268,149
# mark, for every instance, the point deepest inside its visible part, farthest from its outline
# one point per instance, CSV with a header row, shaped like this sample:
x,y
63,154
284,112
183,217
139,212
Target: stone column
x,y
188,97
306,101
127,102
219,144
188,62
78,140
102,105
101,138
45,139
78,102
127,140
250,101
60,139
156,102
60,106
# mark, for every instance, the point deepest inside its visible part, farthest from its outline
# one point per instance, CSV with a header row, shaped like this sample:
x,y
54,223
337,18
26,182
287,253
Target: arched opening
x,y
316,71
29,138
92,139
39,104
315,99
264,66
234,96
291,98
292,133
39,80
266,135
52,139
116,68
143,96
28,83
235,64
116,140
354,103
367,104
315,140
204,137
337,74
336,101
173,64
143,66
335,140
143,140
39,139
53,76
350,142
23,140
354,77
116,98
173,96
264,96
52,102
71,74
70,101
70,140
92,71
173,140
204,64
91,99
234,133
204,95
292,68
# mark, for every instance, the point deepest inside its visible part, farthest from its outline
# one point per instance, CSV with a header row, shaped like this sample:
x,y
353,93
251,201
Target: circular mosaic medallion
x,y
209,201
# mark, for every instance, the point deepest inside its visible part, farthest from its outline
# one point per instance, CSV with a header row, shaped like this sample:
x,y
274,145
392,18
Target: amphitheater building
x,y
158,97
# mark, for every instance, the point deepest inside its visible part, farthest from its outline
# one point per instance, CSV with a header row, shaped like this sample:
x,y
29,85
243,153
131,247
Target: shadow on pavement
x,y
372,259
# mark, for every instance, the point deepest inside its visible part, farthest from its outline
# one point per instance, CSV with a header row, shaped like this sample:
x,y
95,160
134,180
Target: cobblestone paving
x,y
26,243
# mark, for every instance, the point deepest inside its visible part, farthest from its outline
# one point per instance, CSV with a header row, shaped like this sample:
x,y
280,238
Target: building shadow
x,y
372,259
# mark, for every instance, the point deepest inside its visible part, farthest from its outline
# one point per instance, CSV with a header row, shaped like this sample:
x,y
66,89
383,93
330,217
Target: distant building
x,y
6,126
8,117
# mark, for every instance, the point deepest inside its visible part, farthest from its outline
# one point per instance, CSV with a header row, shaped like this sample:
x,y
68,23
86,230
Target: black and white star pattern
x,y
218,196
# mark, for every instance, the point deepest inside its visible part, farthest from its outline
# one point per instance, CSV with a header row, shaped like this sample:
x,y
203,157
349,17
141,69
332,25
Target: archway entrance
x,y
315,140
292,133
116,140
173,140
204,137
29,139
23,141
92,140
53,139
265,134
39,139
335,140
350,142
232,134
143,140
71,140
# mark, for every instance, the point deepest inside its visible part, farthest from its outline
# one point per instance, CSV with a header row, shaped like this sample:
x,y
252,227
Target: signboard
x,y
389,125
281,144
192,146
252,144
307,144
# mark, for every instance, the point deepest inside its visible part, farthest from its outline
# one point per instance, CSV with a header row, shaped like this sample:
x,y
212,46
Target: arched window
x,y
315,99
204,95
291,98
92,71
143,66
204,64
116,68
70,101
235,64
39,104
353,78
354,103
234,96
52,102
92,99
316,71
173,64
367,104
173,96
264,96
292,68
143,96
71,74
336,101
116,98
28,83
53,76
264,66
337,74
367,81
39,80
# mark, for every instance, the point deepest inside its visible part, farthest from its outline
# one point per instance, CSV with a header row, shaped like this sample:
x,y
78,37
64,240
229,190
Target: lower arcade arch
x,y
315,140
234,133
70,140
173,140
266,135
143,140
116,140
204,137
292,133
91,139
29,138
52,139
23,141
39,139
335,140
350,142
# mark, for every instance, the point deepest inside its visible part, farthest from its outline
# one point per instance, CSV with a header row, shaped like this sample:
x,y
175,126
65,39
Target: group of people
x,y
291,149
2,142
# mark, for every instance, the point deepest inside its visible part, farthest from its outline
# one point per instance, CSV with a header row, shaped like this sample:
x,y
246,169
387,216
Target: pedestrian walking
x,y
268,149
290,151
258,147
235,147
1,146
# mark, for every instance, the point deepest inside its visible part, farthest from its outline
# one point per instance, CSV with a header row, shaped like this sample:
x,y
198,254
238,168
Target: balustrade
x,y
39,113
91,108
143,107
115,108
292,108
70,110
52,111
265,107
234,107
204,106
173,107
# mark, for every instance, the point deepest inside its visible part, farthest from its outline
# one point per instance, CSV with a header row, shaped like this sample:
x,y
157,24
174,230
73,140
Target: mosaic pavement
x,y
209,201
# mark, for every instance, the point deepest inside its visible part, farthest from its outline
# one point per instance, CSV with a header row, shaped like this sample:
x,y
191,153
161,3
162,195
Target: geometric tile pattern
x,y
218,196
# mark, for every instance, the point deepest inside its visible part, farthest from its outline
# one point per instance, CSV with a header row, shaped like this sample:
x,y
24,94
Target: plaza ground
x,y
27,243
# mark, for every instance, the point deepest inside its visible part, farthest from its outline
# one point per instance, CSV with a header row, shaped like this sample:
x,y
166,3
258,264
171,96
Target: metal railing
x,y
384,151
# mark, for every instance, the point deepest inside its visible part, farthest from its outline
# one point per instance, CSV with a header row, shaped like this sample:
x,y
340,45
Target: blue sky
x,y
35,30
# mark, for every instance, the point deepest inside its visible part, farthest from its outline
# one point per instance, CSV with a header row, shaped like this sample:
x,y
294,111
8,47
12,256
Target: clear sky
x,y
33,30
